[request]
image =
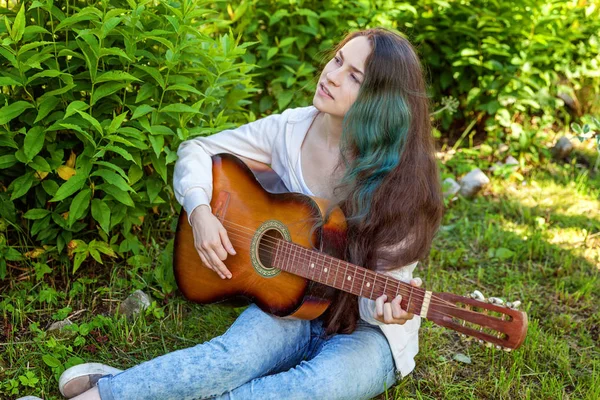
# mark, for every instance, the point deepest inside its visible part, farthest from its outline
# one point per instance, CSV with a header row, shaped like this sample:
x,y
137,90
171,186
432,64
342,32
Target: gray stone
x,y
450,187
510,160
562,148
137,302
57,329
472,183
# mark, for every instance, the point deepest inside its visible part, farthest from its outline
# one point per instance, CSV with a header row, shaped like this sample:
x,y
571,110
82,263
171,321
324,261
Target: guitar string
x,y
434,299
364,274
407,288
434,312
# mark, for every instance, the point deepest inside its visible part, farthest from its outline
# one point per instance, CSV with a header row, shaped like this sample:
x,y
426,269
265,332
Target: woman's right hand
x,y
211,240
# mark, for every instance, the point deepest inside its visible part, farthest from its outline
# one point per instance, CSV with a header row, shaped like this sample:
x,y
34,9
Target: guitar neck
x,y
342,275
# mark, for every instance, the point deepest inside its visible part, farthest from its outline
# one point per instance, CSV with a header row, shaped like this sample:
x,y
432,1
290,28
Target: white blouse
x,y
277,140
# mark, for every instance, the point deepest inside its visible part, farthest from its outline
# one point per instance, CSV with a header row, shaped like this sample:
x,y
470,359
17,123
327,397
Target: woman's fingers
x,y
416,282
217,264
226,242
379,306
391,312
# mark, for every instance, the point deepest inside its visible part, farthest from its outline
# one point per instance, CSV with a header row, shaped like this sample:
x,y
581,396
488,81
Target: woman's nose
x,y
333,77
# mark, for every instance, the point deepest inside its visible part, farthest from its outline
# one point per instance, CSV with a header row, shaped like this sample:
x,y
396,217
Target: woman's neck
x,y
330,127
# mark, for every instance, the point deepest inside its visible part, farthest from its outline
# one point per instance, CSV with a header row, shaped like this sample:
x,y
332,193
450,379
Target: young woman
x,y
366,145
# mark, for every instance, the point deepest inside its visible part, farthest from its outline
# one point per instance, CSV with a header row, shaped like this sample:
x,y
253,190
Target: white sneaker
x,y
81,378
29,398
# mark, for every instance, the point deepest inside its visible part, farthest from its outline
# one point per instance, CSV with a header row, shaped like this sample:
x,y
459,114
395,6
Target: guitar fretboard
x,y
333,272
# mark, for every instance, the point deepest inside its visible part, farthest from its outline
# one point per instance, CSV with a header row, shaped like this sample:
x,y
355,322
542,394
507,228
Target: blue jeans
x,y
264,357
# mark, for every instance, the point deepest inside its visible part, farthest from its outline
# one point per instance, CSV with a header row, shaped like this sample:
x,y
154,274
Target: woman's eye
x,y
354,78
337,59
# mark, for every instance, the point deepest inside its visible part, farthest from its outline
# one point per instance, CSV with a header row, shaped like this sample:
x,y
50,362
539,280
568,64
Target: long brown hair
x,y
390,192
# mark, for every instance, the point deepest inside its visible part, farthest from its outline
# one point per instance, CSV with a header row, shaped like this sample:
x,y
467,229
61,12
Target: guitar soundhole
x,y
266,247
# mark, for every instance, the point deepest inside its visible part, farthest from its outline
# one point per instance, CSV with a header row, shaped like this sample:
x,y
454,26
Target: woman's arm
x,y
192,181
192,178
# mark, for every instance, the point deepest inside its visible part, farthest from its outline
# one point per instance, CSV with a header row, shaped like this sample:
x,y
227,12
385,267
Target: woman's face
x,y
342,77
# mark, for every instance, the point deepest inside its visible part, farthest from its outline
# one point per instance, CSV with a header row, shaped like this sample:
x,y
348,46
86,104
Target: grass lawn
x,y
537,242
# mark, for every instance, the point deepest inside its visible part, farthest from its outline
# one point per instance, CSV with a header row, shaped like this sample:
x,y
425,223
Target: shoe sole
x,y
81,370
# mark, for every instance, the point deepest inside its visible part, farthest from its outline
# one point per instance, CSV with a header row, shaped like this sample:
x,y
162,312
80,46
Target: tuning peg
x,y
477,295
498,347
495,300
488,344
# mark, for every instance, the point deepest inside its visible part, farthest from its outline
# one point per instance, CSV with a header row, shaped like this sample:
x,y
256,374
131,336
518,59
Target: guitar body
x,y
250,201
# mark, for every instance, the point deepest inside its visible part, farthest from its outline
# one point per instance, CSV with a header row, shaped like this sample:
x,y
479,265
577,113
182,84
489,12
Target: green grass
x,y
550,225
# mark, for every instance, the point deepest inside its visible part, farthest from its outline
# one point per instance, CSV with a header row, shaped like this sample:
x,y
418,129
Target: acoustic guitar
x,y
289,260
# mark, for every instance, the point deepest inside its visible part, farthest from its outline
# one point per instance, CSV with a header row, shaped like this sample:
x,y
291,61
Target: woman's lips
x,y
323,91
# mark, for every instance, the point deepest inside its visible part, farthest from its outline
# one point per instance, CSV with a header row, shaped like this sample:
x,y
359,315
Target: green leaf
x,y
116,76
8,113
79,205
113,178
34,141
5,81
287,41
31,46
122,152
19,26
51,361
160,166
118,194
116,122
153,187
469,52
81,131
179,108
71,186
284,99
45,107
503,253
92,121
142,110
154,73
36,213
102,247
157,142
106,90
185,88
75,106
272,51
277,16
21,185
79,259
49,73
7,161
114,167
101,213
145,92
40,164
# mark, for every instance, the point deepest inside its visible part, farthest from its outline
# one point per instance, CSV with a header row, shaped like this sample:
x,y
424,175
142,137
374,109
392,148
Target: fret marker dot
x,y
349,278
312,265
368,284
325,270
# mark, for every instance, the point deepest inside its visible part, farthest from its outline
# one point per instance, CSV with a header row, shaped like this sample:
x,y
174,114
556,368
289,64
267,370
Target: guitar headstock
x,y
491,321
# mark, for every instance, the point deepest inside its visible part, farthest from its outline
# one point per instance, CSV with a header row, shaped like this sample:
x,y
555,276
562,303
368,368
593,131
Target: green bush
x,y
498,58
94,103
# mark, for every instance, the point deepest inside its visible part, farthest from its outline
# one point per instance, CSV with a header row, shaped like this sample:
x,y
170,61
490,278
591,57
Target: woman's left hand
x,y
390,312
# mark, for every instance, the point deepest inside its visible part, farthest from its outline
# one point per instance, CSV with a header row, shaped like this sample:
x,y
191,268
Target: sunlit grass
x,y
538,243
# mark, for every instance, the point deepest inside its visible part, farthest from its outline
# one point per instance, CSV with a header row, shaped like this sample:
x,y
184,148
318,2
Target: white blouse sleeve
x,y
192,177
